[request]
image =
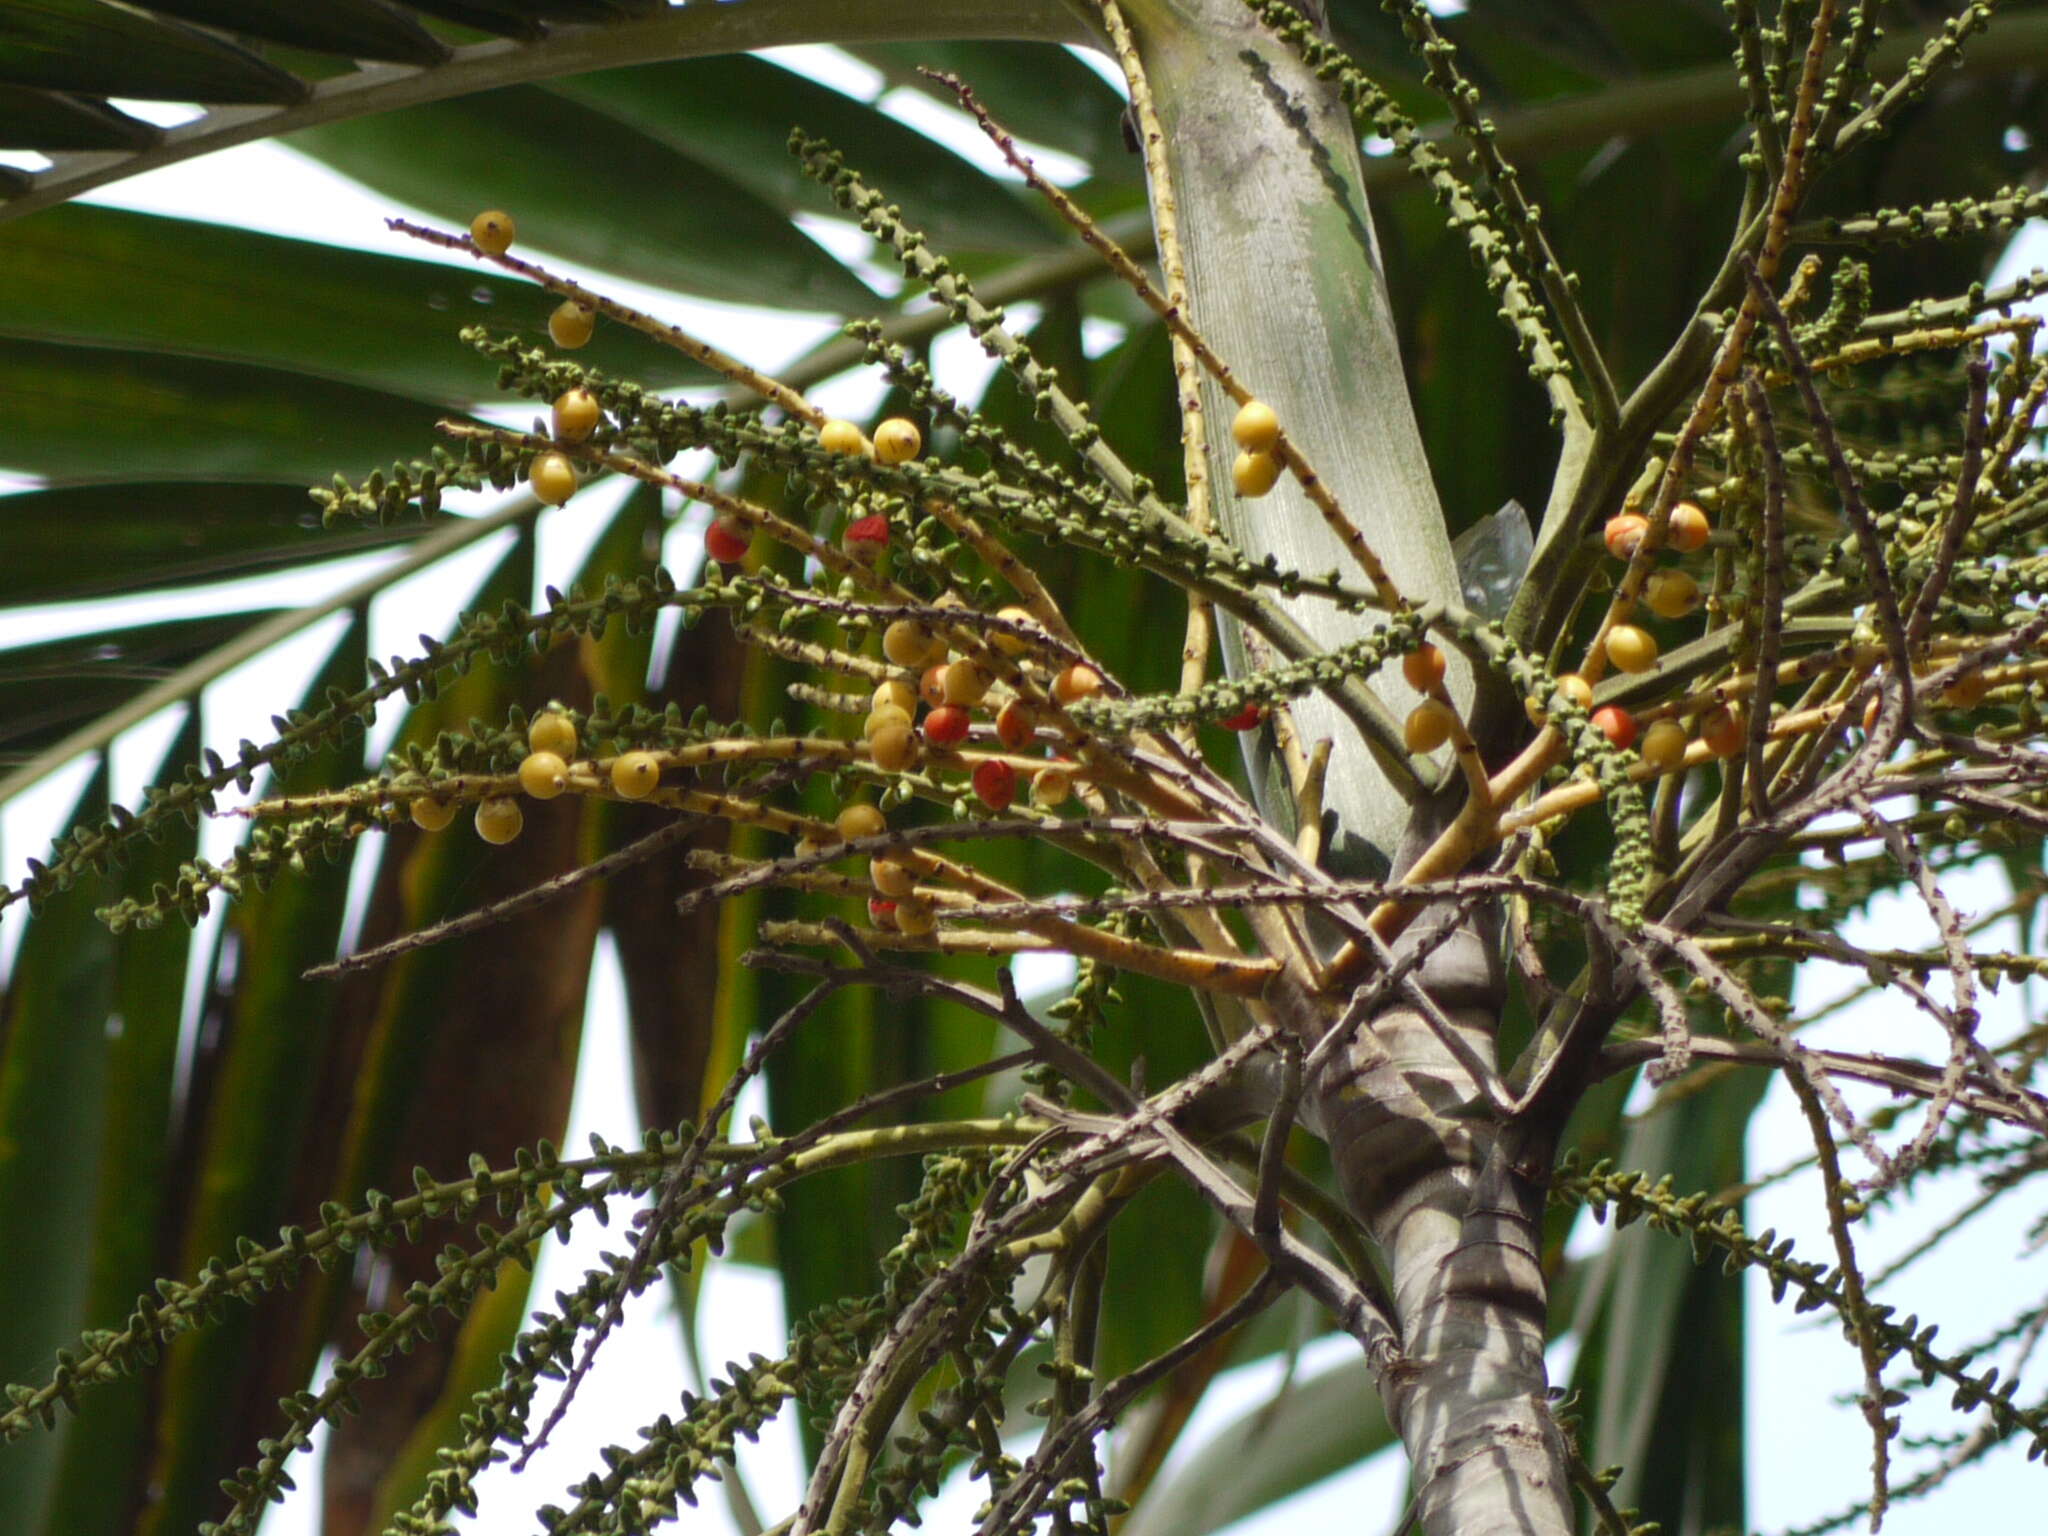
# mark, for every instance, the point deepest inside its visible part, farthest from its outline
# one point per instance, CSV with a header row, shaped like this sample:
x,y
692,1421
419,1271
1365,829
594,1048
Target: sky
x,y
1808,1450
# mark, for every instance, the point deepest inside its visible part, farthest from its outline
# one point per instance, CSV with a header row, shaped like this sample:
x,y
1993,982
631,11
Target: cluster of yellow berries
x,y
1257,433
551,476
544,773
951,689
1669,593
896,441
572,324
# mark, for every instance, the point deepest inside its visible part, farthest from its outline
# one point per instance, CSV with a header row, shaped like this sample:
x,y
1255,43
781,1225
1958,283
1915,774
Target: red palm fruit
x,y
1624,532
1014,728
1616,724
866,537
995,781
727,540
946,726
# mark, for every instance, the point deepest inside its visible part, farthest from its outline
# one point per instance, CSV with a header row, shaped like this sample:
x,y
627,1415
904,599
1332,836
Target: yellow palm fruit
x,y
914,916
897,694
576,415
844,437
636,775
883,716
911,643
1671,594
552,478
967,682
893,747
431,815
861,820
572,325
1664,745
493,231
1631,648
1254,474
1428,725
1051,787
552,731
543,775
891,876
498,820
897,441
1255,427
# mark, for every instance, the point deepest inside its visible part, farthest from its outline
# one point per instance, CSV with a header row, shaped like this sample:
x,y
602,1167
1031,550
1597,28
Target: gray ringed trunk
x,y
1422,1165
1284,281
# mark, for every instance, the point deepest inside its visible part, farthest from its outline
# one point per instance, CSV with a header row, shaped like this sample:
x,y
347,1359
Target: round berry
x,y
1254,474
881,717
881,912
1007,643
552,731
995,782
891,876
572,325
1617,725
1424,668
1076,683
543,775
931,686
893,747
431,815
727,540
1671,594
552,478
911,643
636,775
861,820
1247,719
897,441
1255,427
498,820
915,916
1051,787
946,726
897,694
843,437
1428,725
1632,649
493,231
866,538
1569,685
1723,731
576,415
1688,528
1625,531
966,682
1664,745
1014,726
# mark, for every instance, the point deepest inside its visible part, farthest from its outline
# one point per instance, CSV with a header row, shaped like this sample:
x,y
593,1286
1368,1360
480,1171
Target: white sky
x,y
1808,1451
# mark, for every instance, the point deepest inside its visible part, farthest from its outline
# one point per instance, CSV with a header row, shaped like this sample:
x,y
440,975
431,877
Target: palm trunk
x,y
1285,282
1459,1228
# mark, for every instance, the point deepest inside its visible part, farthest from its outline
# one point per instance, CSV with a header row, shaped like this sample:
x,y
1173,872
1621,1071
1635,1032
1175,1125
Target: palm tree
x,y
1457,1056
